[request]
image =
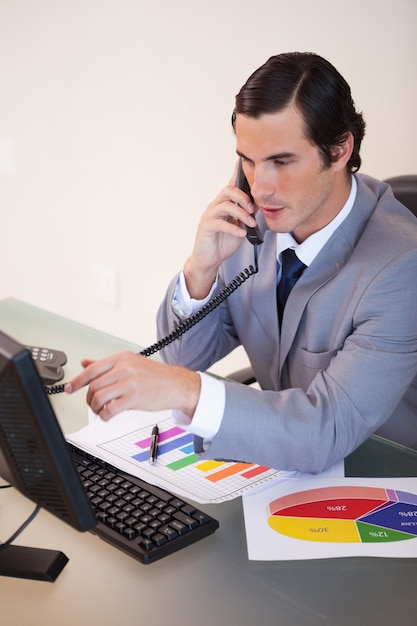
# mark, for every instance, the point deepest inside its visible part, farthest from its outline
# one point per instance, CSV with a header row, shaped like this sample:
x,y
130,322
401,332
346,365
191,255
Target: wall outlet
x,y
105,284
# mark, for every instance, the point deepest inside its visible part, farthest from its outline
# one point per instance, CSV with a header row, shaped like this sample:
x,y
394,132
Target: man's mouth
x,y
271,211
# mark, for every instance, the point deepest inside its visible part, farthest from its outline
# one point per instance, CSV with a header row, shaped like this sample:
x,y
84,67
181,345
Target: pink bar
x,y
163,436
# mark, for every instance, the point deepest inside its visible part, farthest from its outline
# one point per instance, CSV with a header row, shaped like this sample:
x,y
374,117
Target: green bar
x,y
187,460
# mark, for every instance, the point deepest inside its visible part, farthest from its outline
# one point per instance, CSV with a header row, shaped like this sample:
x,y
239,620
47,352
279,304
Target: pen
x,y
153,450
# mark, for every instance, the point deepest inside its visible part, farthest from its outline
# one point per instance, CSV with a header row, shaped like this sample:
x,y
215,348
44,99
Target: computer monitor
x,y
35,459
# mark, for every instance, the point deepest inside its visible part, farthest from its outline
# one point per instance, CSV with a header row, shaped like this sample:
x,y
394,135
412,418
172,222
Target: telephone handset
x,y
253,234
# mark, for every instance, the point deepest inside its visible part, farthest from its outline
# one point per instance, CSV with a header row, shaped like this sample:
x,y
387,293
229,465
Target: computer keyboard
x,y
145,521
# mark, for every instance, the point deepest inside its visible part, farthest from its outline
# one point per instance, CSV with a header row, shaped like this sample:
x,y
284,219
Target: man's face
x,y
286,174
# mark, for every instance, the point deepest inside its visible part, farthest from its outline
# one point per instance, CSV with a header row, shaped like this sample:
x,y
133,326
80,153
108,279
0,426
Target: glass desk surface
x,y
211,582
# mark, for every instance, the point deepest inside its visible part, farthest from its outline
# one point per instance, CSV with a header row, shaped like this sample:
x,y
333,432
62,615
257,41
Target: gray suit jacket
x,y
345,362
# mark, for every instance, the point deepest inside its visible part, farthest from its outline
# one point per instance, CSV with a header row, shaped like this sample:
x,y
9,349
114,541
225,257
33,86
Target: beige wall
x,y
115,131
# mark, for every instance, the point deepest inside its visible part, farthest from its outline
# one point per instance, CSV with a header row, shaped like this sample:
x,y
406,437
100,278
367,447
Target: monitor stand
x,y
31,563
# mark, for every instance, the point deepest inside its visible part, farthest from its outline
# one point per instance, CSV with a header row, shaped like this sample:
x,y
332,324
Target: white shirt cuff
x,y
209,412
182,304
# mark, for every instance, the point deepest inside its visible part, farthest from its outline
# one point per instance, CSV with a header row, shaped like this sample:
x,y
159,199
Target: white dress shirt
x,y
209,412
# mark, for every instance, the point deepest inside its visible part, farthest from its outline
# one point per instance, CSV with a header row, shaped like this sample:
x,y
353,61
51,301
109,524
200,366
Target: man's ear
x,y
342,152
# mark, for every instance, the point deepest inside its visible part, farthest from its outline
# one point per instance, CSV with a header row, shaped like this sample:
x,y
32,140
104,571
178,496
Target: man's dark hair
x,y
319,92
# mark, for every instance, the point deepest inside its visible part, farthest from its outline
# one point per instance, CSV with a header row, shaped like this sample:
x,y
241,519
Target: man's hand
x,y
130,381
219,235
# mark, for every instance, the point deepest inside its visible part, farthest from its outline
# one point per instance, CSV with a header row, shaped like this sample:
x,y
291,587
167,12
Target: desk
x,y
211,582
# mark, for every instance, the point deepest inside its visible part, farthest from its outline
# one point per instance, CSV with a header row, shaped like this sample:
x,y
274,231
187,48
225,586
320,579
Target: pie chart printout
x,y
347,514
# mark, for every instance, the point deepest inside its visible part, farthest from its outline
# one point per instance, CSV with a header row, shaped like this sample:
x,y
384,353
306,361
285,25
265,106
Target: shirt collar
x,y
309,249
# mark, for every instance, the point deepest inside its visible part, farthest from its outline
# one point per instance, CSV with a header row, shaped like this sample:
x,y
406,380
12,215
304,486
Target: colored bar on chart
x,y
227,472
173,444
163,436
207,466
141,457
181,463
255,471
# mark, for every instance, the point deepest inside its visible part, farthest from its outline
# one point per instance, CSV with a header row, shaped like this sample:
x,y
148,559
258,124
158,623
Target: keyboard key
x,y
168,532
180,528
190,522
159,539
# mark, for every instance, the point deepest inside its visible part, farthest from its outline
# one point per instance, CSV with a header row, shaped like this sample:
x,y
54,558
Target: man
x,y
339,360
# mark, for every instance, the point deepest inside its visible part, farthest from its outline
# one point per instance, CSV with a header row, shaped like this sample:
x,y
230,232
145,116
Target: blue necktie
x,y
292,268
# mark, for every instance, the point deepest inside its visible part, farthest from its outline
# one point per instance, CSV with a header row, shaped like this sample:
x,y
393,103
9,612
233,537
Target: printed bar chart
x,y
178,466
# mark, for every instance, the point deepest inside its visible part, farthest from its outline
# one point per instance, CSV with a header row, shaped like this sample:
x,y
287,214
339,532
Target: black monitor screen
x,y
34,456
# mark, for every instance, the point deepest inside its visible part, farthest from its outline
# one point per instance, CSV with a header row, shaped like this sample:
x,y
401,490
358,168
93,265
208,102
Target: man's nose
x,y
262,183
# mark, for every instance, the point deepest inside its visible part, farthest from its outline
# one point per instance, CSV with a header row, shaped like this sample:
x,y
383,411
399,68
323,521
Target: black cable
x,y
205,310
53,389
193,319
21,528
